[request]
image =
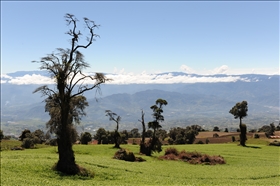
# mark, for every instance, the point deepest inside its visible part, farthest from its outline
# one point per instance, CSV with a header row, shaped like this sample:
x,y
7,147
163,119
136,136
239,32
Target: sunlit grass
x,y
253,165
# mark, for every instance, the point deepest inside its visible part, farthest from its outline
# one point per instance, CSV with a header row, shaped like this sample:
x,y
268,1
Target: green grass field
x,y
254,165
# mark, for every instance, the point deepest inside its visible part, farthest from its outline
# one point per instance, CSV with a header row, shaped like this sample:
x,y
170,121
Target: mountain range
x,y
206,104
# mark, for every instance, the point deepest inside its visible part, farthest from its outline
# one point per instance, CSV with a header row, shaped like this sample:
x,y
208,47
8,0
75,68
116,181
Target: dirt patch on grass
x,y
192,157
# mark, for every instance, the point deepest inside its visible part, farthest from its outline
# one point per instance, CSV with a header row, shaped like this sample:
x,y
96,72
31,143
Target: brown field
x,y
224,137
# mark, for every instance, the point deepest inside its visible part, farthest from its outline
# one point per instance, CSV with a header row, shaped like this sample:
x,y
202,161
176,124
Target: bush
x,y
215,135
125,155
171,150
275,143
199,142
51,142
85,138
233,138
256,136
27,143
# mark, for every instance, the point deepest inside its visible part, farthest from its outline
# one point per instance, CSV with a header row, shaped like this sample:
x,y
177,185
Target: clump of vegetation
x,y
85,138
275,143
256,136
192,157
126,155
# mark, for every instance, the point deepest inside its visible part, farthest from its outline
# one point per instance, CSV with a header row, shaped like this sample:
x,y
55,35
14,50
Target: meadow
x,y
257,164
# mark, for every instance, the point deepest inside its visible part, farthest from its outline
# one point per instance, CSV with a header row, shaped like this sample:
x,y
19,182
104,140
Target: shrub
x,y
233,138
207,141
85,138
51,142
199,142
27,143
215,135
171,150
125,155
256,136
275,143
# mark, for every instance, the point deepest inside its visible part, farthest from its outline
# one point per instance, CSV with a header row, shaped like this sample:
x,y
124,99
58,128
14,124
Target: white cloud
x,y
187,69
142,78
31,79
220,70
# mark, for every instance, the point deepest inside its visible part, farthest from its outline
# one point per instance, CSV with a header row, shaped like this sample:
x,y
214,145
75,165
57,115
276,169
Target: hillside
x,y
205,104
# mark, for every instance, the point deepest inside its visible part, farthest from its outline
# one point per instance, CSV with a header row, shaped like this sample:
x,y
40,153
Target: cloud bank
x,y
130,78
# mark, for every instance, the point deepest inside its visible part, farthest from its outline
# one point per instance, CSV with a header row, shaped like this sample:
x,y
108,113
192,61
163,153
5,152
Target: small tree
x,y
216,129
114,117
240,111
100,135
155,124
85,138
24,134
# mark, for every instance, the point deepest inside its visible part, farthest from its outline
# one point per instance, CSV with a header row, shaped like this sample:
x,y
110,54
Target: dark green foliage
x,y
134,133
1,135
27,143
200,142
171,150
85,138
180,135
256,136
154,144
51,142
23,134
40,135
100,135
233,138
240,111
226,129
126,155
215,135
149,133
216,129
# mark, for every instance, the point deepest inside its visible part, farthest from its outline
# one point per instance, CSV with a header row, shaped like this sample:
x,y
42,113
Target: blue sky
x,y
136,37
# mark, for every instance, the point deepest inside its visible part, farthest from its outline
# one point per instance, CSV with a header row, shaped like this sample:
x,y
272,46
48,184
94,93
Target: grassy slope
x,y
245,166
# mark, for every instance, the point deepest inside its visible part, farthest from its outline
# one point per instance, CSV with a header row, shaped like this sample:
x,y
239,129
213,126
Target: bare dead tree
x,y
65,102
114,117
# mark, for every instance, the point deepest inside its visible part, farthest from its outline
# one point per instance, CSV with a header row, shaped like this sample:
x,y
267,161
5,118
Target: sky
x,y
141,37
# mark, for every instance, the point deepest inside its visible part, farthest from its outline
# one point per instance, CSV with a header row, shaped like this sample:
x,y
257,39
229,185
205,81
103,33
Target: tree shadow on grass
x,y
254,147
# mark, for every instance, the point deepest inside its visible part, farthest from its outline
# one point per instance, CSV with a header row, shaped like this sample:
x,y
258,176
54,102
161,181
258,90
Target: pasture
x,y
253,165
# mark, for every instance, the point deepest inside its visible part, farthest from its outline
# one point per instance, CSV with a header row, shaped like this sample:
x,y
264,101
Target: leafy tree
x,y
240,111
85,138
24,134
216,129
269,130
100,135
114,117
40,135
226,129
162,134
1,135
65,102
134,133
155,124
180,135
149,133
